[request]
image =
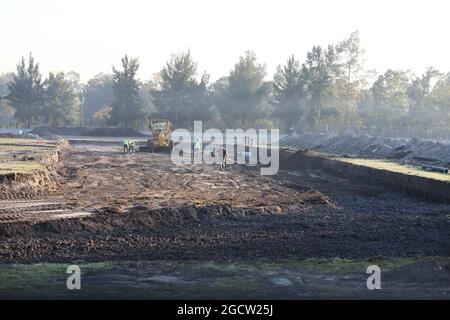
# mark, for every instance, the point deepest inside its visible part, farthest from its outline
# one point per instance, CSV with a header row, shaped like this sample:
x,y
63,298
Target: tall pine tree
x,y
61,100
26,91
182,98
289,92
126,104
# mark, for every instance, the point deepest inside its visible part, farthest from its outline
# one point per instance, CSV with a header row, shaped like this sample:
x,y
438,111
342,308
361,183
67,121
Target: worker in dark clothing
x,y
222,153
125,146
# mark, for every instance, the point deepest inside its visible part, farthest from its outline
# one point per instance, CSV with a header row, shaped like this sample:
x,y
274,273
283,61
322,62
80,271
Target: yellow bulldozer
x,y
160,129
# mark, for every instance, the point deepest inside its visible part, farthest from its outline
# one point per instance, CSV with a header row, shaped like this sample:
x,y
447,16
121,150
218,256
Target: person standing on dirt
x,y
125,146
131,146
222,153
197,147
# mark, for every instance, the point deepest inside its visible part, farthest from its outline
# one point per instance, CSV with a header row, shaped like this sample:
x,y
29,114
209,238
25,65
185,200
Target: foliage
x,y
61,100
319,71
6,111
289,92
98,93
242,96
329,90
126,104
180,96
26,91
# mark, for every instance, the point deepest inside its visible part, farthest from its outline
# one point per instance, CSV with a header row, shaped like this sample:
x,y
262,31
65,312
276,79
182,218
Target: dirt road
x,y
107,206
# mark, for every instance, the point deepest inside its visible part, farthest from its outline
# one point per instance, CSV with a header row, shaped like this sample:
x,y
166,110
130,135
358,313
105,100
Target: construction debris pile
x,y
372,147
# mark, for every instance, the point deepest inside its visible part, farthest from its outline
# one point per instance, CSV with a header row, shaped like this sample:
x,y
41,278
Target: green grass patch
x,y
21,167
287,278
396,167
20,148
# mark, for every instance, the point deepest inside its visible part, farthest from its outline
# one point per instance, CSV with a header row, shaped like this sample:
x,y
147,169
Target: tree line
x,y
330,90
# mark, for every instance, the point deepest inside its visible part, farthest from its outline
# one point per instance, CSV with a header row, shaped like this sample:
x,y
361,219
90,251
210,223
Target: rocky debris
x,y
28,158
372,147
30,136
49,136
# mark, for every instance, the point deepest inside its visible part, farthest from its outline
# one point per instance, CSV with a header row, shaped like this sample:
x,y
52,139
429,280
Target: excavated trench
x,y
425,188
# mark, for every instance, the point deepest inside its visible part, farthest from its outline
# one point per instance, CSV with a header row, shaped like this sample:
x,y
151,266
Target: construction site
x,y
139,221
233,151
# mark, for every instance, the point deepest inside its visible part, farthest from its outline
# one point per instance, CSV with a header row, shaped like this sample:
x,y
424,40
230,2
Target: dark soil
x,y
62,131
146,208
97,132
112,132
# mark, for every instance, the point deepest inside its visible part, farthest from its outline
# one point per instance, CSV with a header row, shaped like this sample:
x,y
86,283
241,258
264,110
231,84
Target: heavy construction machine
x,y
160,129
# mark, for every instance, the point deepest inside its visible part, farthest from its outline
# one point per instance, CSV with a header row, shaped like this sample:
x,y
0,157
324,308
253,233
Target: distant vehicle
x,y
161,129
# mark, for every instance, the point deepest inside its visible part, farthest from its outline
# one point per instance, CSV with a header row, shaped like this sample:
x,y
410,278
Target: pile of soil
x,y
305,159
110,221
37,183
96,132
8,135
112,132
371,146
61,131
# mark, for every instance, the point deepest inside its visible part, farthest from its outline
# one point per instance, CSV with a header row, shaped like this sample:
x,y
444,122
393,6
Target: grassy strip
x,y
421,277
21,167
23,147
396,167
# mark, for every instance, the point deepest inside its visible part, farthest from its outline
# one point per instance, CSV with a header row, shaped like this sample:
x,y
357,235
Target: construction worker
x,y
125,146
222,153
197,146
131,146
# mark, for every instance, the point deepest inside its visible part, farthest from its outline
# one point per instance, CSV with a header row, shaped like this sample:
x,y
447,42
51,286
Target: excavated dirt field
x,y
102,205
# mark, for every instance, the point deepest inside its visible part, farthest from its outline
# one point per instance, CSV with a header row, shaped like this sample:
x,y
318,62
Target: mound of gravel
x,y
371,146
50,136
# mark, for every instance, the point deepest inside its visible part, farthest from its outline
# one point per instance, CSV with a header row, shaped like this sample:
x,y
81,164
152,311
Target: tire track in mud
x,y
144,207
30,196
99,178
37,210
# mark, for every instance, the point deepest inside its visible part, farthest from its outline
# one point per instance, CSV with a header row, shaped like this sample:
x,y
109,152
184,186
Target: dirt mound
x,y
112,132
29,185
139,219
96,132
8,135
62,131
371,146
304,159
39,182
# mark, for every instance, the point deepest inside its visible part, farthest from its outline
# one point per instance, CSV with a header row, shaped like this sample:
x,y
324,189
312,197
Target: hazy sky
x,y
89,36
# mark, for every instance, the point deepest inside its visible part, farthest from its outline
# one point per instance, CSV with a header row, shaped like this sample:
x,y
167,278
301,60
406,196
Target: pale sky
x,y
89,36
